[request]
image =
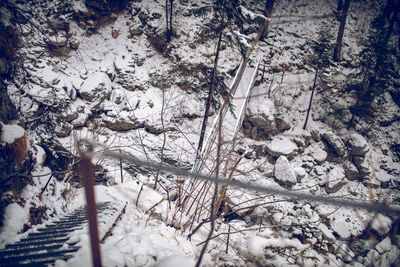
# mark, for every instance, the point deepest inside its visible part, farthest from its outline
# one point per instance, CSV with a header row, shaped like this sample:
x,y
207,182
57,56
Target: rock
x,y
63,129
384,178
121,125
341,227
261,121
358,145
319,155
57,24
284,173
362,165
344,252
384,245
281,122
300,173
335,180
281,146
135,31
381,224
316,135
95,89
335,142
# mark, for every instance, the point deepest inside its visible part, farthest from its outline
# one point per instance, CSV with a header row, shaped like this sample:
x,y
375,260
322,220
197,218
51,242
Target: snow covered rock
x,y
362,166
335,142
341,227
175,260
10,132
261,121
281,146
381,224
335,180
284,173
317,153
95,89
358,145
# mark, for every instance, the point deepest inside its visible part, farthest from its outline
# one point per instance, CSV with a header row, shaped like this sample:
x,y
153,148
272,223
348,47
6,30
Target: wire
x,y
374,207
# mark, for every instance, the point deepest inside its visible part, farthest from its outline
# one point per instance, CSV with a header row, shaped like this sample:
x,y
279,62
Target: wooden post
x,y
91,211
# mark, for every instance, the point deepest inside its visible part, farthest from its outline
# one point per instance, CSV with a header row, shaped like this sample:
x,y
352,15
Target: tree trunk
x,y
339,5
392,21
311,98
166,22
269,6
170,18
338,48
210,94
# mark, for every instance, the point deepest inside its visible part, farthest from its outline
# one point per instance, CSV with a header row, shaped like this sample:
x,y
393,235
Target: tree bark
x,y
311,99
166,22
339,5
171,2
269,6
210,94
338,48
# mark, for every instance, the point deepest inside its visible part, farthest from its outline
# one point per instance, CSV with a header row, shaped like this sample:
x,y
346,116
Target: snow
x,y
256,244
175,260
281,146
381,224
10,132
283,172
340,226
14,219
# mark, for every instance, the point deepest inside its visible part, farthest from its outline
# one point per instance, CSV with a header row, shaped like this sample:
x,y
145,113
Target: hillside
x,y
102,75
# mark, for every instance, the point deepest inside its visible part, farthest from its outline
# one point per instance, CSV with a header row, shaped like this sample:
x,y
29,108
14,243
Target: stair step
x,y
37,243
17,260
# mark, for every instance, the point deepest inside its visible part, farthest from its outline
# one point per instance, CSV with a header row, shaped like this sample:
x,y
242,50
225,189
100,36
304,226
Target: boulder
x,y
335,142
335,180
284,173
319,155
95,89
358,145
362,165
121,125
261,120
281,146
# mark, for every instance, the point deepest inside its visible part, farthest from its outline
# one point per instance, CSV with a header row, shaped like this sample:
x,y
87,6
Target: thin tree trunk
x,y
210,94
269,6
167,21
311,98
338,48
339,6
170,17
392,21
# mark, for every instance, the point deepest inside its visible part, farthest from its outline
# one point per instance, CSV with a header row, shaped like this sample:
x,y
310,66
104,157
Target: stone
x,y
95,89
384,245
259,120
362,165
381,224
319,155
300,173
335,142
74,45
316,135
5,66
358,146
281,146
281,122
284,173
135,31
63,129
335,180
121,125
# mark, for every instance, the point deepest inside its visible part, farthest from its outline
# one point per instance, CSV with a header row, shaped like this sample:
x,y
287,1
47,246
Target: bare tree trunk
x,y
210,93
171,2
269,6
392,21
339,5
339,40
166,21
311,98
